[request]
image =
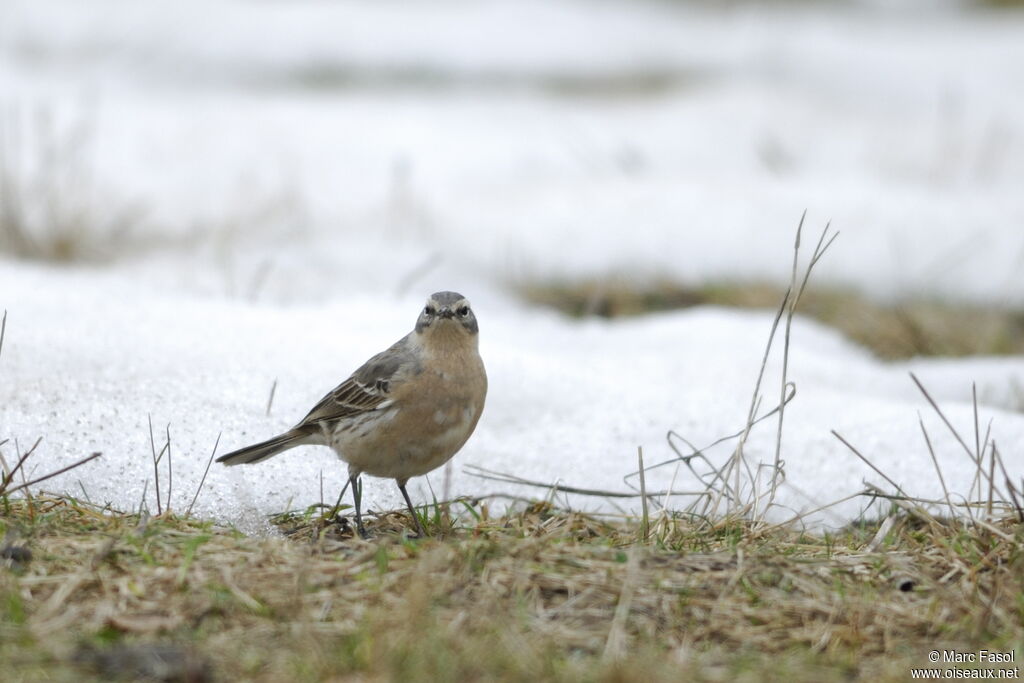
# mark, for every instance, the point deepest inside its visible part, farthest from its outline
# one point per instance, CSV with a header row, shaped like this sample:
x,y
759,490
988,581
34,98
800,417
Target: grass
x,y
892,331
539,594
57,207
52,206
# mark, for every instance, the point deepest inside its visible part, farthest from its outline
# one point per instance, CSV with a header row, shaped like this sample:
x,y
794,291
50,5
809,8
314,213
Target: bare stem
x,y
170,471
54,474
868,462
3,331
491,475
17,466
270,400
644,528
203,480
156,461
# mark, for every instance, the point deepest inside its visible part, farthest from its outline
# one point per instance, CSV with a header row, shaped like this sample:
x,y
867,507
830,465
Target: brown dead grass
x,y
537,595
892,331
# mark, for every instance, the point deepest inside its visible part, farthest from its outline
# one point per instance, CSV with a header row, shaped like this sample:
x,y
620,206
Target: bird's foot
x,y
420,531
343,525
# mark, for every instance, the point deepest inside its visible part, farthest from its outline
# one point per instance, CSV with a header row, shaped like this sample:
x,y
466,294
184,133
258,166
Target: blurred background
x,y
603,156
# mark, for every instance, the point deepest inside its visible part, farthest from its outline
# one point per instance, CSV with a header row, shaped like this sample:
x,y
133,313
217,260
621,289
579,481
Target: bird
x,y
405,412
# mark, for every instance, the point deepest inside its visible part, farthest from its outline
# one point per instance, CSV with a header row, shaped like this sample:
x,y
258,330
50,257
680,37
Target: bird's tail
x,y
266,449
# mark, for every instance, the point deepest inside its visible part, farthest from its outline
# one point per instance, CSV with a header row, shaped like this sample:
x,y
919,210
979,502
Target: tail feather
x,y
266,449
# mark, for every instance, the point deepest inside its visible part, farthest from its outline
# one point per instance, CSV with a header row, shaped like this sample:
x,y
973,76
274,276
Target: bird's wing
x,y
368,388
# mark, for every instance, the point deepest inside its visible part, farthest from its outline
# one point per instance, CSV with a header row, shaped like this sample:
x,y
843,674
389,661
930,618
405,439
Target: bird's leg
x,y
337,505
412,511
357,494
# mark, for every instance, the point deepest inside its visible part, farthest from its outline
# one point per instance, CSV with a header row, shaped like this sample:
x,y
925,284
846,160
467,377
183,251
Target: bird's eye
x,y
463,311
429,310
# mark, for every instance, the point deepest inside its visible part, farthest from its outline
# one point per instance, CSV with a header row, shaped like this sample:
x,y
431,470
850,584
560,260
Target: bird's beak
x,y
446,313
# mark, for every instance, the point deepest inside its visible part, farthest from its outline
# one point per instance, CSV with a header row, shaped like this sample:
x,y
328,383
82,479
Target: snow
x,y
311,171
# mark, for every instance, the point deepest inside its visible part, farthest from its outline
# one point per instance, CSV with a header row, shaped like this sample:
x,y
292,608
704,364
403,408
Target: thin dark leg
x,y
357,495
412,510
337,504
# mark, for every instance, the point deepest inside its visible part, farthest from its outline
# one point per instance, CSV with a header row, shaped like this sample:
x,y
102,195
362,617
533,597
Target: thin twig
x,y
921,513
145,490
1009,484
54,474
699,452
3,331
785,357
979,504
903,502
671,485
716,474
511,479
156,462
949,425
868,462
270,400
17,466
644,528
819,250
988,435
84,492
798,517
24,477
991,480
935,461
203,480
977,439
170,471
737,455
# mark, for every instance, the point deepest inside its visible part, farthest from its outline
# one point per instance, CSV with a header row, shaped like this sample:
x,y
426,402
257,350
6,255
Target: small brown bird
x,y
405,412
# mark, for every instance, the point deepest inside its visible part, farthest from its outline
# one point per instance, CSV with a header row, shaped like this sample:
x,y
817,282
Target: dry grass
x,y
52,207
892,331
541,594
57,207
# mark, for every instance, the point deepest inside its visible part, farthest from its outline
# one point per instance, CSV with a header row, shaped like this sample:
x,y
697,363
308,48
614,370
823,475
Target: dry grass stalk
x,y
792,299
213,453
51,205
734,491
991,502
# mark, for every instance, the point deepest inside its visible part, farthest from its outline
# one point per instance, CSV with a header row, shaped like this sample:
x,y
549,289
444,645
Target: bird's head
x,y
449,312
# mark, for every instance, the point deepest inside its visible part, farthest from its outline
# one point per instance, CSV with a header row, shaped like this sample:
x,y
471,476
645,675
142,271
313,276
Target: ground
x,y
539,594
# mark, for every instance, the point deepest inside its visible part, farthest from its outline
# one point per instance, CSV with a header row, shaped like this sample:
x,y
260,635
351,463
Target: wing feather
x,y
368,388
